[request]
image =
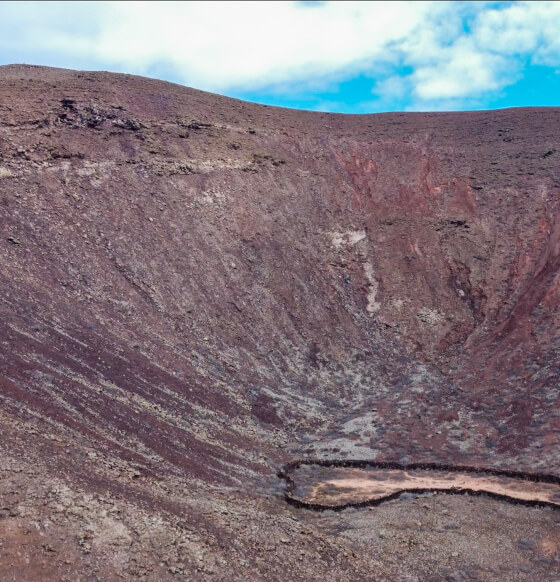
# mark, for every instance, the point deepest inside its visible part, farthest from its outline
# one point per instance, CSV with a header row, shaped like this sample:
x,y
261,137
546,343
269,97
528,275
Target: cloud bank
x,y
431,54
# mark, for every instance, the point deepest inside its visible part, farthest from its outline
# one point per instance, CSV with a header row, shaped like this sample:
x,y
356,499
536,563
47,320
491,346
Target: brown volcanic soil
x,y
196,290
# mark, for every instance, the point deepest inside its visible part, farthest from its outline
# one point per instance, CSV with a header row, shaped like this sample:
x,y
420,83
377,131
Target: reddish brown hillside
x,y
196,290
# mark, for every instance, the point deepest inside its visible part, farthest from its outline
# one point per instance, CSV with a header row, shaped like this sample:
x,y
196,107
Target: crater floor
x,y
334,486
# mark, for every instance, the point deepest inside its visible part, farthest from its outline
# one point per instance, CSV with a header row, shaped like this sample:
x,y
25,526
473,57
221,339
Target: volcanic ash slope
x,y
196,290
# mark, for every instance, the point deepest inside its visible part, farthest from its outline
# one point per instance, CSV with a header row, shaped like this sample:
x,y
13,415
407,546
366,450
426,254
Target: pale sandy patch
x,y
362,485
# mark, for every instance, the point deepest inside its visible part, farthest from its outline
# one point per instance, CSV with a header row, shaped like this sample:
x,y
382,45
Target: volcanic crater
x,y
198,291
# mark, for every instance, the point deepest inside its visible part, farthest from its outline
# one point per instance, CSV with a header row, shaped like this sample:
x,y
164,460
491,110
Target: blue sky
x,y
352,57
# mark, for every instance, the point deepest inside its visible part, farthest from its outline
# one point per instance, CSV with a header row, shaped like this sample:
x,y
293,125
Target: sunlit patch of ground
x,y
322,486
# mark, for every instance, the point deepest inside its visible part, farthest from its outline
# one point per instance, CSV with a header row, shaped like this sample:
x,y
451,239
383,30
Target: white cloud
x,y
461,71
216,45
489,54
221,45
451,51
393,87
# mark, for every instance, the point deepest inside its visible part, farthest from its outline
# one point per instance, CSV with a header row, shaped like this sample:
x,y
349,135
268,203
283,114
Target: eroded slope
x,y
196,290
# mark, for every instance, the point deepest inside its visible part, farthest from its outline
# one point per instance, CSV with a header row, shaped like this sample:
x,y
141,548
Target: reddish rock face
x,y
195,290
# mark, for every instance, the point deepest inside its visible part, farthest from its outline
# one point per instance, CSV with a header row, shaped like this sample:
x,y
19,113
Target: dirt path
x,y
333,485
